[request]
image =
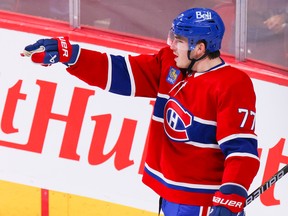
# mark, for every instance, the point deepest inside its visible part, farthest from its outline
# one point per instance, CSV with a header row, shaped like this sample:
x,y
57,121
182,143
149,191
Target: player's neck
x,y
207,64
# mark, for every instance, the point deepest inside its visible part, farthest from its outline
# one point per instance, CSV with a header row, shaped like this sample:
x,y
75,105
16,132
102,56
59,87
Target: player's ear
x,y
200,48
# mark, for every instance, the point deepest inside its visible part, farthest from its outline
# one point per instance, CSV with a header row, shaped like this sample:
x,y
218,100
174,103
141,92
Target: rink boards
x,y
67,148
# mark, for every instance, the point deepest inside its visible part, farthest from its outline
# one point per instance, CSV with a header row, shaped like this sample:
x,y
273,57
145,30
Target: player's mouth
x,y
176,57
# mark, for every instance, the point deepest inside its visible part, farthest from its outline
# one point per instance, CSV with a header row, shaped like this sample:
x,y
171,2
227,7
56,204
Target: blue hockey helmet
x,y
197,24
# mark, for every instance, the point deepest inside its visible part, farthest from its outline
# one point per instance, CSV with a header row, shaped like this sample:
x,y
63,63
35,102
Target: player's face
x,y
179,45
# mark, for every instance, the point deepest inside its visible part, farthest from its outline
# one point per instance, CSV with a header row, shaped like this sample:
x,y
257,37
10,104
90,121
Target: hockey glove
x,y
227,205
51,51
222,211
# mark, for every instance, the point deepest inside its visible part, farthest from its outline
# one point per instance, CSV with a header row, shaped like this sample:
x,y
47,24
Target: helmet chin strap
x,y
193,60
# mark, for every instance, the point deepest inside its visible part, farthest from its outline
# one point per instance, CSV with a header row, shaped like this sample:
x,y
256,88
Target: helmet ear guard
x,y
198,24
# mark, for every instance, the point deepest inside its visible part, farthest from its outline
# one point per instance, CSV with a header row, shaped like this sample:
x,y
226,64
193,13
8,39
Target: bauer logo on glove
x,y
51,51
227,205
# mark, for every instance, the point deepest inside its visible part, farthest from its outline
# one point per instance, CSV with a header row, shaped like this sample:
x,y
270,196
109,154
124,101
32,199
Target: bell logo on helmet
x,y
197,24
201,16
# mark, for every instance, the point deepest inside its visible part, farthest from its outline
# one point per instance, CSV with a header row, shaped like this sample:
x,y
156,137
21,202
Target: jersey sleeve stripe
x,y
203,121
239,154
235,136
159,106
132,81
109,77
157,119
203,145
120,78
163,96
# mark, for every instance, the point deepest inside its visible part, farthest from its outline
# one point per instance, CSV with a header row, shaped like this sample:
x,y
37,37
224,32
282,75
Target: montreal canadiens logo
x,y
176,121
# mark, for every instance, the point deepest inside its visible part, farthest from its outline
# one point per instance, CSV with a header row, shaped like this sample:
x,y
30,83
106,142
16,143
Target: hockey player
x,y
202,151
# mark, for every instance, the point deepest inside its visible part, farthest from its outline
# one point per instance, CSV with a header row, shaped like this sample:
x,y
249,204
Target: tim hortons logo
x,y
74,122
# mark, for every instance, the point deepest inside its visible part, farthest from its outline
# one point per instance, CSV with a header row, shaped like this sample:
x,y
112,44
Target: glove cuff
x,y
68,54
233,202
75,54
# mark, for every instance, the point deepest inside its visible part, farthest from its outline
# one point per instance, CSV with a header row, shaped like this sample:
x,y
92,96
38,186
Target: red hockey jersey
x,y
202,130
